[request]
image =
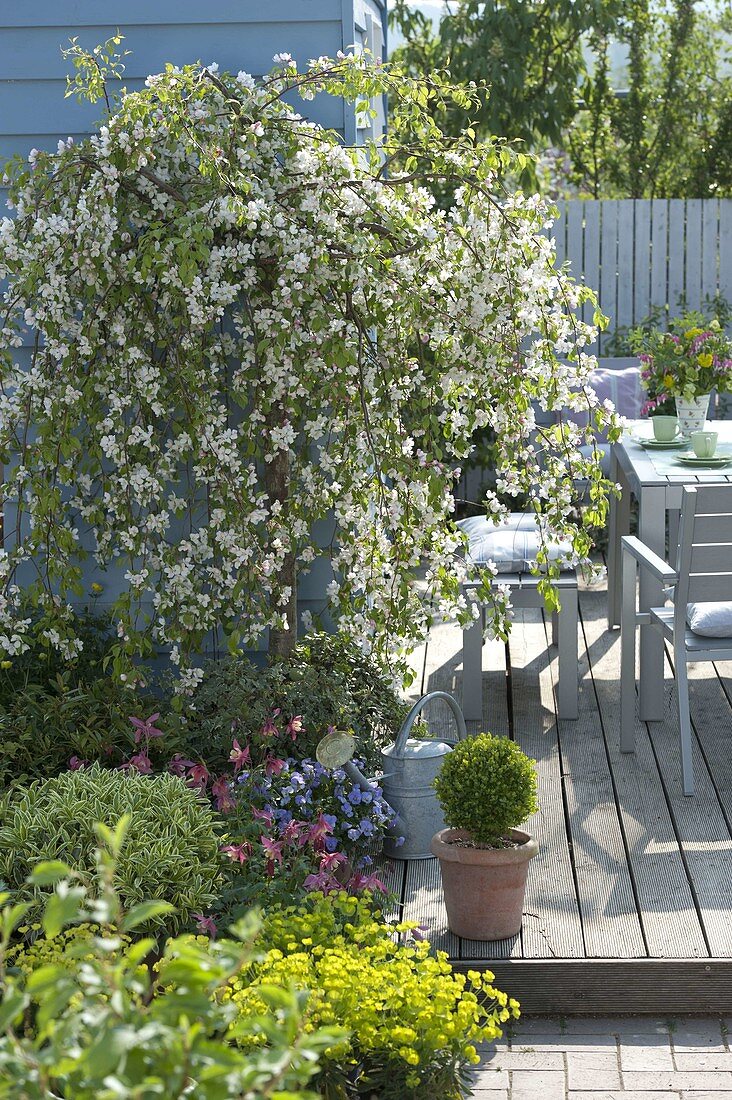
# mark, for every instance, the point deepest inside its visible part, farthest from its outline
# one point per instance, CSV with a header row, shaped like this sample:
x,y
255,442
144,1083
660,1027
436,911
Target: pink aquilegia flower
x,y
358,882
330,861
318,831
141,763
145,727
205,925
75,763
238,853
239,756
293,727
222,796
269,729
273,765
262,815
198,776
178,765
323,882
273,849
293,831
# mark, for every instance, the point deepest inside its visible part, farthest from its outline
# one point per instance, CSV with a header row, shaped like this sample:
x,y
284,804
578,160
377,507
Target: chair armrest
x,y
648,560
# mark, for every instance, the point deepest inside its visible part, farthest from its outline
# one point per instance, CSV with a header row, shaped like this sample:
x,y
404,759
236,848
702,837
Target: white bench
x,y
524,593
511,546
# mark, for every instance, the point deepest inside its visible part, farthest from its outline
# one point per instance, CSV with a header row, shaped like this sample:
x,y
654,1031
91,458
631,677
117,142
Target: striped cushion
x,y
511,546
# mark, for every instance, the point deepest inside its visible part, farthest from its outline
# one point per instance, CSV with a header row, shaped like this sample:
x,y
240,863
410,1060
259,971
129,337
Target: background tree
x,y
526,58
659,124
669,135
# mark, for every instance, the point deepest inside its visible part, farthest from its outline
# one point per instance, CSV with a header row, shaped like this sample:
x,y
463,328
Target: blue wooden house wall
x,y
237,34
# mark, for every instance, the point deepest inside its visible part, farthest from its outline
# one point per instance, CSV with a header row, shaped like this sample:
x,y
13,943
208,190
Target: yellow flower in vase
x,y
669,381
705,359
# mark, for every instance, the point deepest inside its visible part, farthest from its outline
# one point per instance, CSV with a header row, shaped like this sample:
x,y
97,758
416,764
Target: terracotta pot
x,y
484,887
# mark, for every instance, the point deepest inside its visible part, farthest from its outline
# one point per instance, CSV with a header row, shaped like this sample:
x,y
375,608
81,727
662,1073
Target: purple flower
x,y
206,925
145,727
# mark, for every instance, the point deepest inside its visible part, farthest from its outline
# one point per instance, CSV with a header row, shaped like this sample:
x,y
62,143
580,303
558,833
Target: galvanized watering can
x,y
410,765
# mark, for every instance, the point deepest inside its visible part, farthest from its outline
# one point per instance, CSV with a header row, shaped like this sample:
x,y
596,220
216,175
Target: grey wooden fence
x,y
640,253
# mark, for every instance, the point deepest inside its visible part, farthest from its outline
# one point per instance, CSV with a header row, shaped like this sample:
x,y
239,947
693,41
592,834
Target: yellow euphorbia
x,y
410,1016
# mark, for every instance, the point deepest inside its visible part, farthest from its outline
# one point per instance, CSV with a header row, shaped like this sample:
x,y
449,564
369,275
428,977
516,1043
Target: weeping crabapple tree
x,y
240,326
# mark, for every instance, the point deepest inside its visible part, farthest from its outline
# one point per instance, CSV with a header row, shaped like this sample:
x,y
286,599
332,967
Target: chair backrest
x,y
704,560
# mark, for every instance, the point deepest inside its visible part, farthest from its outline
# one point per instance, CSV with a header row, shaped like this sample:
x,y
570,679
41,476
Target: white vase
x,y
692,414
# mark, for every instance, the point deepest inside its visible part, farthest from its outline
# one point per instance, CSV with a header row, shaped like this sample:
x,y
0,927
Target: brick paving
x,y
609,1058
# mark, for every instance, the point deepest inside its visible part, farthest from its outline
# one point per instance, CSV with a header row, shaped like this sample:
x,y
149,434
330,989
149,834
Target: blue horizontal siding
x,y
29,108
35,53
84,13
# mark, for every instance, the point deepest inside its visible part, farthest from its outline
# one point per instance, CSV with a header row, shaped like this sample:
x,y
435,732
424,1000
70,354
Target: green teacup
x,y
665,428
704,444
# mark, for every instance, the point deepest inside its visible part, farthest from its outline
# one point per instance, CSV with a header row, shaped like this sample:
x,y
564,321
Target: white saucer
x,y
652,444
711,463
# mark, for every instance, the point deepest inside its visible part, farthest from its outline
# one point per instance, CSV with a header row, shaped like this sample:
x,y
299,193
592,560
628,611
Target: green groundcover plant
x,y
53,711
326,682
171,851
413,1021
86,1019
322,1000
487,786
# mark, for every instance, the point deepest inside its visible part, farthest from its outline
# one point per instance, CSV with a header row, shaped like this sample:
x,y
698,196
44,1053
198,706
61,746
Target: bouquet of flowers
x,y
689,361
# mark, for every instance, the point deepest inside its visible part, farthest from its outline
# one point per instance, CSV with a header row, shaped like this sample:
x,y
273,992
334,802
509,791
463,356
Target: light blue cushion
x,y
511,546
710,620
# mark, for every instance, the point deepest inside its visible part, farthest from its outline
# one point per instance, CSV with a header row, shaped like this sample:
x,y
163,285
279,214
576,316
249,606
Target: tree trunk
x,y
277,484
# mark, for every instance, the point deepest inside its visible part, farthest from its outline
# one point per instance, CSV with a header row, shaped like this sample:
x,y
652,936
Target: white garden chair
x,y
699,620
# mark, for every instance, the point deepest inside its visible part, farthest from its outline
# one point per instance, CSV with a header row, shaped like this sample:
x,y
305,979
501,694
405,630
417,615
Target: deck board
x,y
610,920
667,908
552,926
700,822
632,877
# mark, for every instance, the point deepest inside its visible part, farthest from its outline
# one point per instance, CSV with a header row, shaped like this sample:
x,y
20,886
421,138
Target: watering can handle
x,y
409,721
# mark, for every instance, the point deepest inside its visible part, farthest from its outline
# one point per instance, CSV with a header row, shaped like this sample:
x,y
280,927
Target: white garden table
x,y
656,481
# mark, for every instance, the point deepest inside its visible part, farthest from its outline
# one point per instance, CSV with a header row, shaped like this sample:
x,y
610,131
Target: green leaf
x,y
144,912
49,872
61,909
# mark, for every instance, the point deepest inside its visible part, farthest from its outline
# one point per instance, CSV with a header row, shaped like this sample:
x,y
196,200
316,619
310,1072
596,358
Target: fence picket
x,y
608,264
641,260
725,249
591,260
675,255
659,253
709,249
693,253
624,316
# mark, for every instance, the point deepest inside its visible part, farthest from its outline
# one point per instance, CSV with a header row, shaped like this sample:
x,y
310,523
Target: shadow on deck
x,y
629,903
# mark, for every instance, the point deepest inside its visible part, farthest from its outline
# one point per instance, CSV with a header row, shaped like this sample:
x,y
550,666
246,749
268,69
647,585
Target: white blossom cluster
x,y
216,293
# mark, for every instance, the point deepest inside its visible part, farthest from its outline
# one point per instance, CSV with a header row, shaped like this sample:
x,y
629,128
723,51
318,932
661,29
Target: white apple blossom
x,y
254,347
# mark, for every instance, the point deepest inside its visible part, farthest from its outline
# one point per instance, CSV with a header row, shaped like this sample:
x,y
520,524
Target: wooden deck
x,y
629,903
